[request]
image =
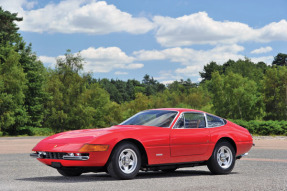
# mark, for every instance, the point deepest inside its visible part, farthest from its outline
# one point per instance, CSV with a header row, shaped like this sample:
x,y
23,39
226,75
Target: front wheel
x,y
69,172
222,160
125,161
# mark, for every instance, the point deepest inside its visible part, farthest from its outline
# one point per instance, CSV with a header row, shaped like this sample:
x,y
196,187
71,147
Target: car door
x,y
189,136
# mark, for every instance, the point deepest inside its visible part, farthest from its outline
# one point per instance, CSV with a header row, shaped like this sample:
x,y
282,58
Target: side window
x,y
191,120
214,121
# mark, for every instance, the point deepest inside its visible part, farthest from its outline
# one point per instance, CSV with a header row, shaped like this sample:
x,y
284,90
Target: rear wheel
x,y
222,160
125,161
69,172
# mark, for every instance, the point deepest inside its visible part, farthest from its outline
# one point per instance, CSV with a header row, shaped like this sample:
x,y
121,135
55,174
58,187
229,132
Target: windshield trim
x,y
175,117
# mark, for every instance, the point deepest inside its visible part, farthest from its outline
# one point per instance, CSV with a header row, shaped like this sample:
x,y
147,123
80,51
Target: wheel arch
x,y
230,140
139,146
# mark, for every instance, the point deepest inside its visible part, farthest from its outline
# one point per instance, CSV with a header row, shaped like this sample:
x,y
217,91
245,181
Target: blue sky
x,y
167,39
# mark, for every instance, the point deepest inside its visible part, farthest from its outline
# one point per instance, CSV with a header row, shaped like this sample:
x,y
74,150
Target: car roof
x,y
179,109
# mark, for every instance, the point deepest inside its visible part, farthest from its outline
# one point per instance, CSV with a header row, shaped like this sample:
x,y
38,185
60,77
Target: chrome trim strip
x,y
182,113
214,116
206,122
170,126
34,155
76,157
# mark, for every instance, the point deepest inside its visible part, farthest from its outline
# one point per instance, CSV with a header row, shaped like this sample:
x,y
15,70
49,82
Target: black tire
x,y
222,160
69,172
170,170
120,165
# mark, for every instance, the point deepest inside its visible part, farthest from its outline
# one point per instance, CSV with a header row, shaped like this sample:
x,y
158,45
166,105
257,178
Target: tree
x,y
246,69
275,93
23,77
13,113
77,102
35,95
209,69
8,29
65,85
151,85
280,60
236,97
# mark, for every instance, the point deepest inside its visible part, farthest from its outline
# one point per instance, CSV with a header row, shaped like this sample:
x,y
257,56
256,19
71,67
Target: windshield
x,y
158,118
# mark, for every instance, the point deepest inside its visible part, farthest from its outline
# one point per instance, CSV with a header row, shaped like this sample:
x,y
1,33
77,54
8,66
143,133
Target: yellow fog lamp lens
x,y
92,148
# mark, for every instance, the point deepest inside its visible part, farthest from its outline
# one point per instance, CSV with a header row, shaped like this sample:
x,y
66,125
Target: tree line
x,y
35,100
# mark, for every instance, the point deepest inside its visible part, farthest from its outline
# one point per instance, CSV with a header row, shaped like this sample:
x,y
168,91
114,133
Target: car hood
x,y
72,140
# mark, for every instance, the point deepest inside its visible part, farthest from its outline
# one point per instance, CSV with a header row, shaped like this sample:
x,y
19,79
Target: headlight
x,y
93,148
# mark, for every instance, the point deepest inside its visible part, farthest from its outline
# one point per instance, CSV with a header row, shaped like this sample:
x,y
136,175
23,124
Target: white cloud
x,y
150,55
107,59
273,32
192,60
189,70
100,60
167,77
48,61
199,28
80,16
121,73
14,6
266,59
262,50
189,56
30,4
167,82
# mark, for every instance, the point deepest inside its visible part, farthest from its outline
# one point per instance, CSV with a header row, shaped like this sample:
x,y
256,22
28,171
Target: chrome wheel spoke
x,y
224,157
132,163
127,161
128,155
220,163
227,155
221,151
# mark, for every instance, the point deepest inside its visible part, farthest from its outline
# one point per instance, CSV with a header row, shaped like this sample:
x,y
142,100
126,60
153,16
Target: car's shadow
x,y
105,177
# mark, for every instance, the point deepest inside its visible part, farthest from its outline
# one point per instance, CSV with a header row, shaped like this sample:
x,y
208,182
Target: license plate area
x,y
56,164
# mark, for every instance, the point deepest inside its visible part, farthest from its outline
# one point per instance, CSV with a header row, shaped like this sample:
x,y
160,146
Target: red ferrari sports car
x,y
156,139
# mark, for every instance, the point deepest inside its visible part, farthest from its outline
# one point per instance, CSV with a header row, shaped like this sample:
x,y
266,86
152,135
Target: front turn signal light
x,y
92,148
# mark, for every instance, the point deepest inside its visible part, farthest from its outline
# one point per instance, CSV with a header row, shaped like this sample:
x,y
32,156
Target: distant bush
x,y
35,131
264,127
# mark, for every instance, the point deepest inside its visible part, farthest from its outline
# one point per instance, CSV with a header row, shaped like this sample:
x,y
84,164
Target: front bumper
x,y
96,159
43,155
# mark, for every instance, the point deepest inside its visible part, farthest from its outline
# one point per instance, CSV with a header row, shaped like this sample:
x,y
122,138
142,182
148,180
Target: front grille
x,y
54,155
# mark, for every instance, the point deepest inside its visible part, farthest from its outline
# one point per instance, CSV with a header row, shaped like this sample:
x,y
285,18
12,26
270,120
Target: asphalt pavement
x,y
263,169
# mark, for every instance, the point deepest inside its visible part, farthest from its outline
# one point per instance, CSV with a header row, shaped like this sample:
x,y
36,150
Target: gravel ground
x,y
265,168
270,137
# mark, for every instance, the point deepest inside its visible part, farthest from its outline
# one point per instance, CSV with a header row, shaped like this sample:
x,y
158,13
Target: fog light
x,y
71,154
41,154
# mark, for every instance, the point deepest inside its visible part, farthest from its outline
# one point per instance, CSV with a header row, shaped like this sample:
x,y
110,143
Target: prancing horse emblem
x,y
55,146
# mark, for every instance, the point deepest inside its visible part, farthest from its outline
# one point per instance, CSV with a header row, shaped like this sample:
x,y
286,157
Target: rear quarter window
x,y
214,121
